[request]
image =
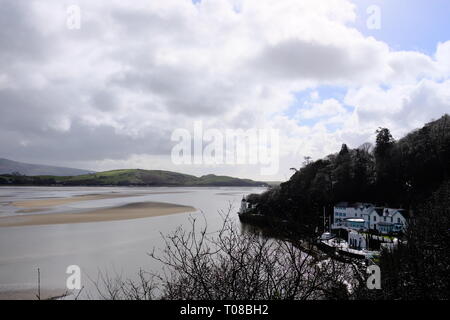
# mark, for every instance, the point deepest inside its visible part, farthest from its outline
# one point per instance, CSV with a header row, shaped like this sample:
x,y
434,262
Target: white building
x,y
354,216
356,240
387,220
365,216
245,206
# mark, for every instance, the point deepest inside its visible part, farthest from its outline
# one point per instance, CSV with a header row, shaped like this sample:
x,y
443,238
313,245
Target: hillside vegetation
x,y
401,173
129,177
411,173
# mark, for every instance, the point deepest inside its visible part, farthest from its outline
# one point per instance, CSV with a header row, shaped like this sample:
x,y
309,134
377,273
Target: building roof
x,y
380,211
388,212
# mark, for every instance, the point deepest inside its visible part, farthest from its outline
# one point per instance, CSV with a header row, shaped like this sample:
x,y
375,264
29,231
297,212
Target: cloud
x,y
112,92
327,108
327,63
402,107
443,57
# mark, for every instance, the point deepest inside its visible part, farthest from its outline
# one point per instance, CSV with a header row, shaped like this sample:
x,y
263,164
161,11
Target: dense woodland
x,y
411,173
400,174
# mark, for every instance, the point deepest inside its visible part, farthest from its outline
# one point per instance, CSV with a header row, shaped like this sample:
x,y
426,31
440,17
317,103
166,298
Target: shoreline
x,y
126,212
51,202
32,294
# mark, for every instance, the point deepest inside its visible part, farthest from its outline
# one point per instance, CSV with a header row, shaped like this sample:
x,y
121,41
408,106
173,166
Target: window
x,y
398,220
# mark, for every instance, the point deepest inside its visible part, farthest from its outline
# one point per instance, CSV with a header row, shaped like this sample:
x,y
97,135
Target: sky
x,y
108,87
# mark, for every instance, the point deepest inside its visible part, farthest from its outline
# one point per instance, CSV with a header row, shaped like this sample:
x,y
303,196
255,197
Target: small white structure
x,y
326,236
356,241
365,216
245,206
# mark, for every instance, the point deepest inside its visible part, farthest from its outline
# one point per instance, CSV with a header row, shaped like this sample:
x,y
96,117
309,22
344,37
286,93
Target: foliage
x,y
126,177
230,265
411,173
420,267
398,174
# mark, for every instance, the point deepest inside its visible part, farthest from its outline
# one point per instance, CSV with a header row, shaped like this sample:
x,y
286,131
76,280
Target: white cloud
x,y
135,71
407,67
327,108
402,107
443,57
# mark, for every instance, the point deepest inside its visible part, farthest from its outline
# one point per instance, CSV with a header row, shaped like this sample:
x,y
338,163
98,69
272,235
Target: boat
x,y
341,247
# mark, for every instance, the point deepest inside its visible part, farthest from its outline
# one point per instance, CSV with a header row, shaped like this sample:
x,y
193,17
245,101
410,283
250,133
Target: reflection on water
x,y
263,232
116,247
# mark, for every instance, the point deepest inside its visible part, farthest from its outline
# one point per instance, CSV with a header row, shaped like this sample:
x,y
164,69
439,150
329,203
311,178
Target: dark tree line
x,y
419,268
229,264
19,179
401,174
411,173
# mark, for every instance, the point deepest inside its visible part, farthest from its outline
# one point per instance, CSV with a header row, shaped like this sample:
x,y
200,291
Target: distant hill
x,y
28,169
129,177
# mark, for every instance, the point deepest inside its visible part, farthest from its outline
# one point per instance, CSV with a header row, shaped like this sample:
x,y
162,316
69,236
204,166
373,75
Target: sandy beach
x,y
128,211
33,205
115,238
51,202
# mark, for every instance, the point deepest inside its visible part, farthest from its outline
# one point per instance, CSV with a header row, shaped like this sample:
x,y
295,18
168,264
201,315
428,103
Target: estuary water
x,y
113,247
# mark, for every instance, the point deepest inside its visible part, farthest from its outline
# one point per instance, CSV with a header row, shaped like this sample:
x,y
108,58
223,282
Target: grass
x,y
124,177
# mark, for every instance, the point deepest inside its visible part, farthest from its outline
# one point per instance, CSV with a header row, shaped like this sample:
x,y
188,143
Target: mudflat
x,y
125,212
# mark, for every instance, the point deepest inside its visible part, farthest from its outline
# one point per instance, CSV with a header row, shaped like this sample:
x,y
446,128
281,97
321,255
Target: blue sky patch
x,y
407,24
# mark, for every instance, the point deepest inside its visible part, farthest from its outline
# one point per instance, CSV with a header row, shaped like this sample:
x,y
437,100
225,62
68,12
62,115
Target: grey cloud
x,y
83,143
20,39
28,111
153,24
183,90
114,71
425,103
298,59
29,117
104,100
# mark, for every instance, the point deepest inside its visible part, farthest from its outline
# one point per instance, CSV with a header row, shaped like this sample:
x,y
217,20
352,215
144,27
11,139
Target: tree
x,y
307,160
384,166
363,174
342,174
366,147
419,267
384,142
231,265
344,150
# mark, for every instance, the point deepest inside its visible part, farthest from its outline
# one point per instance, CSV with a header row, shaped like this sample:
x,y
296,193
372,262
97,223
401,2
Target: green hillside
x,y
129,177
